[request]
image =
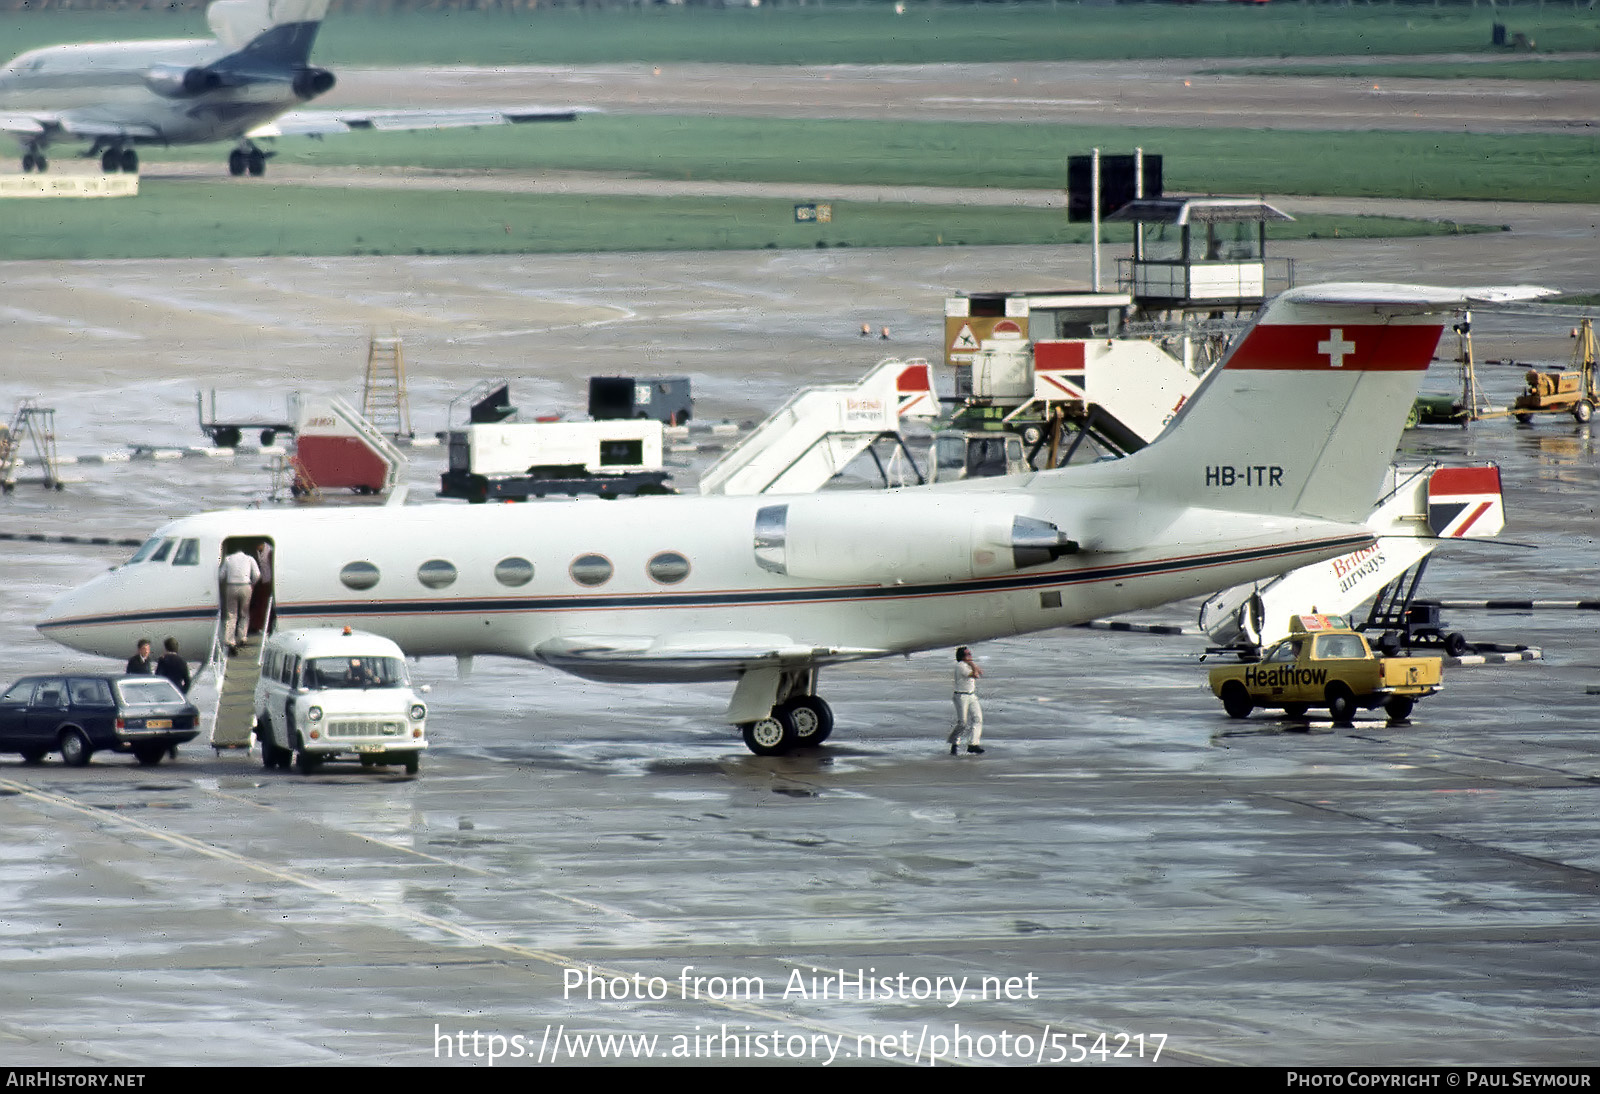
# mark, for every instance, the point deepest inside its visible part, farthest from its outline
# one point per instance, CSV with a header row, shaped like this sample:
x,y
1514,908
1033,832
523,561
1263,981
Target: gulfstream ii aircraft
x,y
236,87
1271,465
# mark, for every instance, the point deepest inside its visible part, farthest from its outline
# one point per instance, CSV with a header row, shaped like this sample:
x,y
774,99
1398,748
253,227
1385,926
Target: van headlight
x,y
418,712
314,714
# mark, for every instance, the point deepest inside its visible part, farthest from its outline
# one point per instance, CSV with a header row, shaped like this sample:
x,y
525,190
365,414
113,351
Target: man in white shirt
x,y
237,575
969,715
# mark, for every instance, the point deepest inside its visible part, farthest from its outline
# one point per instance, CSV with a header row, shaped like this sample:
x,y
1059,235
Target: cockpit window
x,y
188,553
162,551
147,550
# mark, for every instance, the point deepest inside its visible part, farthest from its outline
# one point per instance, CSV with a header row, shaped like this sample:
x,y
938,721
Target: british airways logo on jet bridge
x,y
1315,347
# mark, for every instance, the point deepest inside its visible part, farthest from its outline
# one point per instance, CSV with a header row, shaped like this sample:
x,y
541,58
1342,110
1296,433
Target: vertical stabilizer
x,y
1303,415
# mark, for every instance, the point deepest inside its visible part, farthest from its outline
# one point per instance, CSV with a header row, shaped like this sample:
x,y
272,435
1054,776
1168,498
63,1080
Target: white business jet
x,y
1273,464
237,87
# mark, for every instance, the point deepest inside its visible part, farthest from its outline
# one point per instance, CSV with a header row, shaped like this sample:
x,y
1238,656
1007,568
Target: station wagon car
x,y
81,714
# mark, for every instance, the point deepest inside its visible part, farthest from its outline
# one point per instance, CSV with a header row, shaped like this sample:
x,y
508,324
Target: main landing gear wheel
x,y
236,163
34,161
812,717
773,735
129,160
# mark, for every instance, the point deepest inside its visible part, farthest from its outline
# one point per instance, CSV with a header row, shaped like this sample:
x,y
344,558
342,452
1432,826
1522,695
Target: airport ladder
x,y
37,424
384,401
236,713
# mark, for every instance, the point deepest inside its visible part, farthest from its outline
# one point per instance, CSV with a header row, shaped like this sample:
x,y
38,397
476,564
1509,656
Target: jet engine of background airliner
x,y
181,81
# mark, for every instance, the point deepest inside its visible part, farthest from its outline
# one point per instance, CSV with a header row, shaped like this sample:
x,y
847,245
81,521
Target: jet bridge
x,y
821,429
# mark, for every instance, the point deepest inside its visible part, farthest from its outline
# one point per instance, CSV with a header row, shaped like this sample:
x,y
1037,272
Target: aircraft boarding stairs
x,y
821,429
228,686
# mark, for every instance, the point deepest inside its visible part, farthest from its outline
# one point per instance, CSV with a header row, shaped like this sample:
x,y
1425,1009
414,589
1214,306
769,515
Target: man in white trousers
x,y
969,715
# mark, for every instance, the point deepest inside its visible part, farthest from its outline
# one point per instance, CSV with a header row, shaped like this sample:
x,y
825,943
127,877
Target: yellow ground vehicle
x,y
1573,392
1324,662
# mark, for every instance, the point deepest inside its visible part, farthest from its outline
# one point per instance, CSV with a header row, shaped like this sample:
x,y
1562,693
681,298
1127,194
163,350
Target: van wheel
x,y
1236,700
75,750
1295,710
412,764
306,763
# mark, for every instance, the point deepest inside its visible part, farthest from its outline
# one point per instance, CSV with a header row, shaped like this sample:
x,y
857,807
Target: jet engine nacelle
x,y
180,82
311,82
854,540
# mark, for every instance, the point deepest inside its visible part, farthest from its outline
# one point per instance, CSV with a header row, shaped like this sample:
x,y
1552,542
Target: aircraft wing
x,y
26,124
317,123
35,124
702,655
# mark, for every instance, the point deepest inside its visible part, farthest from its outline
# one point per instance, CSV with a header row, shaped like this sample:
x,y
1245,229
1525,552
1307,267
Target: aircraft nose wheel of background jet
x,y
241,160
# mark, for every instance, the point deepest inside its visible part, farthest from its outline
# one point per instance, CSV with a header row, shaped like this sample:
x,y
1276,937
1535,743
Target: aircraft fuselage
x,y
646,576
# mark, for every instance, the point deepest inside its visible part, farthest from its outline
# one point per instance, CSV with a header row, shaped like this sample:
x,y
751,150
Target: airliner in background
x,y
241,86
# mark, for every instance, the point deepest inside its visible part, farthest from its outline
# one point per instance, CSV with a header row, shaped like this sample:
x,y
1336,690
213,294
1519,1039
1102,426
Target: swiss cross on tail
x,y
1316,347
1465,502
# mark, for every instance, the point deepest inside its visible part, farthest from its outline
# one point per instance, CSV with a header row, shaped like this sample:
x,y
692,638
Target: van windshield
x,y
355,672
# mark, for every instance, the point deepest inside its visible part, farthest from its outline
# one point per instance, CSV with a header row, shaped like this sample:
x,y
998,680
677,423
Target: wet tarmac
x,y
1123,861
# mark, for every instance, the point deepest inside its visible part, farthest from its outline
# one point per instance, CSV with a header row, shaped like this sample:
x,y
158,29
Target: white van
x,y
326,694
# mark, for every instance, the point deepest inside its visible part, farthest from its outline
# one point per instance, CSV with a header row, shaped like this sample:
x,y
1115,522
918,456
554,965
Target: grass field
x,y
870,33
1246,161
229,219
1531,68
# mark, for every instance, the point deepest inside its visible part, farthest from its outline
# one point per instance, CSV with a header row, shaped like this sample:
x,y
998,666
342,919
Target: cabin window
x,y
436,573
163,551
359,575
188,553
513,571
591,570
669,568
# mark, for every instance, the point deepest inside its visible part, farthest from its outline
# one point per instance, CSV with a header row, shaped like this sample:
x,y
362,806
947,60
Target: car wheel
x,y
1456,644
1341,705
149,755
1236,700
75,750
773,735
1399,707
34,755
1295,710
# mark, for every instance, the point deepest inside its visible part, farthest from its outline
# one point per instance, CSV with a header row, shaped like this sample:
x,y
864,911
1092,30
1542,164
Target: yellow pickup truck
x,y
1324,662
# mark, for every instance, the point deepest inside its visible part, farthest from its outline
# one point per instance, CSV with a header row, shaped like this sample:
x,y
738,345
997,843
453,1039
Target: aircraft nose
x,y
68,619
